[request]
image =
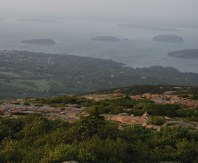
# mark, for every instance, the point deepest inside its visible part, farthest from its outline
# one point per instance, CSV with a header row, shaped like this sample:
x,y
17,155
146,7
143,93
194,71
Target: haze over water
x,y
72,24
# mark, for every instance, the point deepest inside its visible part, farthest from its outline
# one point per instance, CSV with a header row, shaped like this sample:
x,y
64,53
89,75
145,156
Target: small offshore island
x,y
106,38
185,54
168,38
39,41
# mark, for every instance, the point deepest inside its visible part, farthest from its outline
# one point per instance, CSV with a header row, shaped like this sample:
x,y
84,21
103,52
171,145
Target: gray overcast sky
x,y
154,9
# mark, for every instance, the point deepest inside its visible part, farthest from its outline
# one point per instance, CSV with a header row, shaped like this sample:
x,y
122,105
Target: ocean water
x,y
74,37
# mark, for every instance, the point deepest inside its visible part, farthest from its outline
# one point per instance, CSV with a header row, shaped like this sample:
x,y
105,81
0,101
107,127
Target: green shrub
x,y
157,120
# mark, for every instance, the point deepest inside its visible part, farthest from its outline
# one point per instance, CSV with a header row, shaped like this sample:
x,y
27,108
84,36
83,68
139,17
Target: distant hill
x,y
106,38
39,41
185,54
150,27
168,38
25,74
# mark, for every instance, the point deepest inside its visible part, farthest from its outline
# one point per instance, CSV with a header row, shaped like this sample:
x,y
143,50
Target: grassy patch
x,y
42,85
32,85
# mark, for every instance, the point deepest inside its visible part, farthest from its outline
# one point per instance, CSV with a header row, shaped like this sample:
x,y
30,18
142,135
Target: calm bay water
x,y
73,37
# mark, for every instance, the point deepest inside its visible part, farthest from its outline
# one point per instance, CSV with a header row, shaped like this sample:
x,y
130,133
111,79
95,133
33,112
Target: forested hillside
x,y
25,74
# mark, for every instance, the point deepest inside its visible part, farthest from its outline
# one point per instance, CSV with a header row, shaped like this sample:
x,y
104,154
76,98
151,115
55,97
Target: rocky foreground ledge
x,y
79,106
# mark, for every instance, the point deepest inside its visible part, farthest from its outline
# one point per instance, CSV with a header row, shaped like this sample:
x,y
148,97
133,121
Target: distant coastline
x,y
168,38
39,41
150,27
106,38
185,54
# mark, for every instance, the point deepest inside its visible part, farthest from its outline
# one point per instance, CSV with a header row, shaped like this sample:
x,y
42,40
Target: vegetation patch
x,y
92,139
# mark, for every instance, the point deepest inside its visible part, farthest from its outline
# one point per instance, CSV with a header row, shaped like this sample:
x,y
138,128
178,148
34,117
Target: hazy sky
x,y
154,9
